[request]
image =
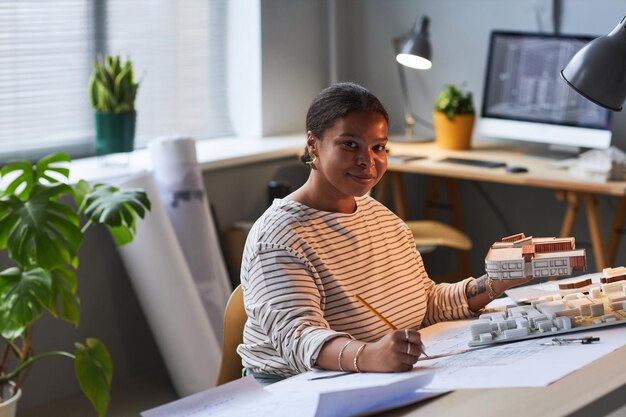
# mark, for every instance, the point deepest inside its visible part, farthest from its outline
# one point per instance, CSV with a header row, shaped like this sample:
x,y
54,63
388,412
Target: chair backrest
x,y
234,320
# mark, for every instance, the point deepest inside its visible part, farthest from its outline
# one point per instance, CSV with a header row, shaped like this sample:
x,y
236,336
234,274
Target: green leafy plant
x,y
112,88
452,101
43,220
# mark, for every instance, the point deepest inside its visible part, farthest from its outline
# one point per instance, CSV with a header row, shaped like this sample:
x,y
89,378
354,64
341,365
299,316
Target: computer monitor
x,y
525,98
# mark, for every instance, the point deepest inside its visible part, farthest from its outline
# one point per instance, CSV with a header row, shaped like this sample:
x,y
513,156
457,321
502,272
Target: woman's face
x,y
351,155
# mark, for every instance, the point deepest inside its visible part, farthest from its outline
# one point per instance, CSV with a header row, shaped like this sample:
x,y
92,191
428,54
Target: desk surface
x,y
540,172
595,390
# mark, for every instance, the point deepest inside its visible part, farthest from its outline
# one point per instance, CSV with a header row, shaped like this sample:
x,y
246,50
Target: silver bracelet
x,y
341,354
356,357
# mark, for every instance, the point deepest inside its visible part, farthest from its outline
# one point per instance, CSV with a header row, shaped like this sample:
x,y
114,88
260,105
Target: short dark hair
x,y
335,102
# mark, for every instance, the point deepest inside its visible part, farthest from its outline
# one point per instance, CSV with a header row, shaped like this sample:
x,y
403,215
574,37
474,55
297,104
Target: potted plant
x,y
112,91
454,118
43,220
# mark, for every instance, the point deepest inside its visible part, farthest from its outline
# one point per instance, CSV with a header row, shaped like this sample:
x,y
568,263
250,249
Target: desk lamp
x,y
413,51
598,70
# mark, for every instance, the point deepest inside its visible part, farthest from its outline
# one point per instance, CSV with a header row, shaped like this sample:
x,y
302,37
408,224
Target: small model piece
x,y
610,275
574,285
518,256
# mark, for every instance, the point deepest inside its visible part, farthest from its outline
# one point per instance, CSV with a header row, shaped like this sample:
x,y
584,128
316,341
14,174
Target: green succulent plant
x,y
452,101
112,88
43,220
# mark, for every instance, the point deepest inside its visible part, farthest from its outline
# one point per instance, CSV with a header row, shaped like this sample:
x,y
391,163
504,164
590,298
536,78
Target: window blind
x,y
178,48
44,70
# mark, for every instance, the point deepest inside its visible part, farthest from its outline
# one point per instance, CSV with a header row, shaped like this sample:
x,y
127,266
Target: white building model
x,y
519,256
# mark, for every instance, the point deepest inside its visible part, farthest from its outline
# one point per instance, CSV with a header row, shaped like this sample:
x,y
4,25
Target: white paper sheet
x,y
241,398
339,397
167,293
518,364
353,393
181,188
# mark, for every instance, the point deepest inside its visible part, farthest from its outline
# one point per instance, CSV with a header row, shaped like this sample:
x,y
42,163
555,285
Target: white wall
x,y
278,61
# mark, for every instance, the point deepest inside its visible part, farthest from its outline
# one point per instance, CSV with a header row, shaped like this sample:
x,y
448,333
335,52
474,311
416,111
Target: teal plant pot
x,y
115,132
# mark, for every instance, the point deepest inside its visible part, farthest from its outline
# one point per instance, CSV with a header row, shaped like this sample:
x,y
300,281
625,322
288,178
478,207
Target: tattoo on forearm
x,y
476,287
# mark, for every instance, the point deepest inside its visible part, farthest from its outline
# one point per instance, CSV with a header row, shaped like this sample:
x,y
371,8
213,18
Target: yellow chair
x,y
234,320
430,234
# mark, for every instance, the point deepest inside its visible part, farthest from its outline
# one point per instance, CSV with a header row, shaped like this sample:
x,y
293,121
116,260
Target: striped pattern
x,y
301,268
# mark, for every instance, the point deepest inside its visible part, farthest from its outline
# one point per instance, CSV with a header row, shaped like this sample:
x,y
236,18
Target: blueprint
x,y
520,364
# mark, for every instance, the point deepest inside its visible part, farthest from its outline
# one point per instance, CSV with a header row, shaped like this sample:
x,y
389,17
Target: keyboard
x,y
475,162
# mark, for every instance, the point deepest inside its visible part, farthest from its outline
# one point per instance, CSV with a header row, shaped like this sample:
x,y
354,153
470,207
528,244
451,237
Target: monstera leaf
x,y
24,175
64,286
23,297
94,369
116,209
40,231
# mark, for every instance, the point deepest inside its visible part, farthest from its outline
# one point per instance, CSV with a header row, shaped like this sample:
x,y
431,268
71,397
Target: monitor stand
x,y
557,152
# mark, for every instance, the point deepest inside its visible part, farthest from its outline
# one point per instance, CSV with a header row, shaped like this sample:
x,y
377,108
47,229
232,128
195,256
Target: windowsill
x,y
212,154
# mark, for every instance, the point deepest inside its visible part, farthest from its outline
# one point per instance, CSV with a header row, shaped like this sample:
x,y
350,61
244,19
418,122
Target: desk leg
x,y
380,191
570,213
432,197
455,202
591,207
457,219
616,232
399,196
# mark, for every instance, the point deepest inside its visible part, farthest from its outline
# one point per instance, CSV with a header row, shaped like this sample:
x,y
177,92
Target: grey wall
x,y
296,70
459,34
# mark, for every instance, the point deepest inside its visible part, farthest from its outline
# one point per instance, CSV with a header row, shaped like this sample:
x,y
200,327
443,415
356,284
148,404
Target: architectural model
x,y
518,256
603,305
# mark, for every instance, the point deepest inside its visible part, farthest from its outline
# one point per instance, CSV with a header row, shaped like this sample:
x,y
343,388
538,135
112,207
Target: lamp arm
x,y
409,116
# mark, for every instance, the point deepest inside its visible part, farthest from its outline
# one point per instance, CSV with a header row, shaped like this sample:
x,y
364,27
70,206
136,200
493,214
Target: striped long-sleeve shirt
x,y
302,268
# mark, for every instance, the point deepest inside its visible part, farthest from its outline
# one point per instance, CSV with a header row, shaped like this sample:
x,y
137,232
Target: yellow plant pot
x,y
455,134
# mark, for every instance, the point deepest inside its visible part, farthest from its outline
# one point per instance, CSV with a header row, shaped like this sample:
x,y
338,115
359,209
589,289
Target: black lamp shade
x,y
598,70
414,50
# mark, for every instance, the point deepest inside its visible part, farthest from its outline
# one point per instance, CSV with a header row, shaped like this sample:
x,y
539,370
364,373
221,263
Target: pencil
x,y
380,316
376,313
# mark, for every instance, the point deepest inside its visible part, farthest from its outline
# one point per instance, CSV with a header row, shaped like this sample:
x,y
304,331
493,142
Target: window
x,y
46,51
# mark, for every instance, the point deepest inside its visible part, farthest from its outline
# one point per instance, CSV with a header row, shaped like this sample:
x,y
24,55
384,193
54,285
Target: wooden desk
x,y
541,174
594,390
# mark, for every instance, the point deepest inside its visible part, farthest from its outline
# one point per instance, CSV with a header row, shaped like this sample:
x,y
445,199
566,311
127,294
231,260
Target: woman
x,y
310,254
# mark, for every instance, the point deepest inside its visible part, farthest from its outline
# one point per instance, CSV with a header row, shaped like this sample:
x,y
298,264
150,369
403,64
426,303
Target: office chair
x,y
430,234
234,320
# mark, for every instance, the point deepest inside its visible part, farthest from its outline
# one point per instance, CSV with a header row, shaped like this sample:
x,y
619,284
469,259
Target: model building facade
x,y
518,256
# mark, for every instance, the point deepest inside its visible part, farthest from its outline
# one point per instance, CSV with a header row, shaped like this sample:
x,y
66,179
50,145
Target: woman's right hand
x,y
395,352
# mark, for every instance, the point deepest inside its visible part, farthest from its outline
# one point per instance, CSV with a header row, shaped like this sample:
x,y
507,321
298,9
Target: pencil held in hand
x,y
387,322
376,313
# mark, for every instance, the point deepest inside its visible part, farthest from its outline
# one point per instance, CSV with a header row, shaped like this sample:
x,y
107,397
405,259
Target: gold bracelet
x,y
356,357
341,354
492,294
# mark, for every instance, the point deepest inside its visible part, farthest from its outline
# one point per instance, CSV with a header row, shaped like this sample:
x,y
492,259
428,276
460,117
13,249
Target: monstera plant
x,y
43,221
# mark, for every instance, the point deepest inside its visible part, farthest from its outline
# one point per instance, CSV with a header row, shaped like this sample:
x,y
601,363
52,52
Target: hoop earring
x,y
311,163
